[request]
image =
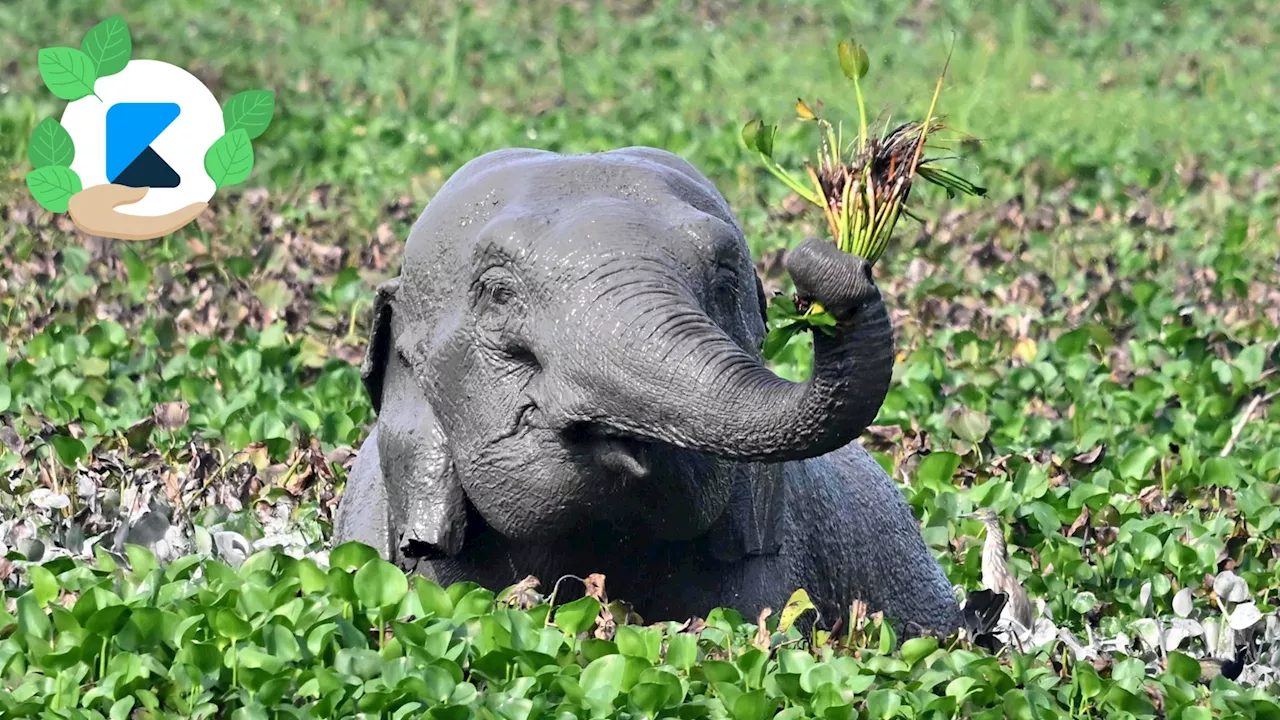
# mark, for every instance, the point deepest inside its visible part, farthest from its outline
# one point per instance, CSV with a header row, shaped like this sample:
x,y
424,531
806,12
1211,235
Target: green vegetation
x,y
1090,350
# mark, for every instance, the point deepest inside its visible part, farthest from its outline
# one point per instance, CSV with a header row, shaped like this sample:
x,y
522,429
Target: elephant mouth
x,y
612,450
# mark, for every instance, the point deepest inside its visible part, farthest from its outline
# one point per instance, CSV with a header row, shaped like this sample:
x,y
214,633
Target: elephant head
x,y
573,344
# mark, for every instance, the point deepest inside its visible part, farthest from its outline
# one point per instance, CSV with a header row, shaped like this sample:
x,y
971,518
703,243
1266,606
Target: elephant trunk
x,y
683,381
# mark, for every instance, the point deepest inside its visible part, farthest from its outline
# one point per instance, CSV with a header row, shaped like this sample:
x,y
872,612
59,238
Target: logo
x,y
142,145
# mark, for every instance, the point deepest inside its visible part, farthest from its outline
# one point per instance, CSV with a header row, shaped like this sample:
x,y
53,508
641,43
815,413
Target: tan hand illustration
x,y
93,210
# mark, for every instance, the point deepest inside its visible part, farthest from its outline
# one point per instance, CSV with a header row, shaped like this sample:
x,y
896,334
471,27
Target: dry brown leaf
x,y
762,630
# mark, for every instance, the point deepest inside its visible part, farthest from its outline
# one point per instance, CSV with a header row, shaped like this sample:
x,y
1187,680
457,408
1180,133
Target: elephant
x,y
567,379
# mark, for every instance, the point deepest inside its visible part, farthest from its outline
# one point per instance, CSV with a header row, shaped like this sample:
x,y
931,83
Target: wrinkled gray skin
x,y
568,380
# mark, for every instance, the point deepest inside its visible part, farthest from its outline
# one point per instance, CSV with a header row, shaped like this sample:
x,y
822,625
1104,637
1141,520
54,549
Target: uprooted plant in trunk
x,y
861,192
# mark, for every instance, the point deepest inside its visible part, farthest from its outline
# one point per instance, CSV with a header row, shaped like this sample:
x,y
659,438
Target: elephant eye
x,y
500,295
496,287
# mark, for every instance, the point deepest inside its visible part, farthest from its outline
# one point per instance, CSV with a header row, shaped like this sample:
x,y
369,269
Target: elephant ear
x,y
427,504
751,524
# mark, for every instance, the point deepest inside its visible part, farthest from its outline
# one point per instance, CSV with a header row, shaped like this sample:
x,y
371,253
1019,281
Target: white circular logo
x,y
149,125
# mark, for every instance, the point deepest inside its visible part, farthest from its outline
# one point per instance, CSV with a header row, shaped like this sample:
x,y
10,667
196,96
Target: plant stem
x,y
787,180
862,114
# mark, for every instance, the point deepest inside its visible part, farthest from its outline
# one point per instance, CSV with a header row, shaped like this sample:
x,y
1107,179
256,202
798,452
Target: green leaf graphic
x,y
230,159
53,186
50,144
250,111
67,72
108,45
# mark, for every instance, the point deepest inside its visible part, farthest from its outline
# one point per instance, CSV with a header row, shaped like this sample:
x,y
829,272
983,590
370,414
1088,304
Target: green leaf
x,y
797,605
1138,463
230,626
888,637
1184,667
351,556
108,45
6,397
121,708
380,584
32,620
970,425
754,705
603,677
883,703
68,449
751,134
854,61
682,651
777,339
53,186
230,159
67,72
250,111
917,649
578,616
142,560
43,584
937,468
50,144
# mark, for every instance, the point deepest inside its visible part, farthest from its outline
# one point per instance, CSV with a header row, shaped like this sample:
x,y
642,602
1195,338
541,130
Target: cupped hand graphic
x,y
93,210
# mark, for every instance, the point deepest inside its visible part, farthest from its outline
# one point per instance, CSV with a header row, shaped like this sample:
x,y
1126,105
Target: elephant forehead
x,y
543,185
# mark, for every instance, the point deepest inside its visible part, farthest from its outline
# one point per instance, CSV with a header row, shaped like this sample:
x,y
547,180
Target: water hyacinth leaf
x,y
69,450
351,556
797,605
682,651
883,703
917,649
754,705
43,584
937,468
1245,616
231,626
578,616
1084,602
380,584
854,61
1230,587
603,677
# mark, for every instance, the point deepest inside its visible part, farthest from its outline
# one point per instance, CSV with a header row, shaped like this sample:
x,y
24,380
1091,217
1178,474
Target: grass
x,y
1077,350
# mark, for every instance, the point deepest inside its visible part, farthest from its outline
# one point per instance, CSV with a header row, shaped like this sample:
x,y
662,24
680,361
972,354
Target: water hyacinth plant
x,y
862,192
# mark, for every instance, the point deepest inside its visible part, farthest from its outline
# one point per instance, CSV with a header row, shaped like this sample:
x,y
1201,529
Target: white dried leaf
x,y
1217,637
46,499
1144,598
1190,627
1245,616
1043,633
1182,602
1080,650
1148,631
1175,636
1230,587
233,547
